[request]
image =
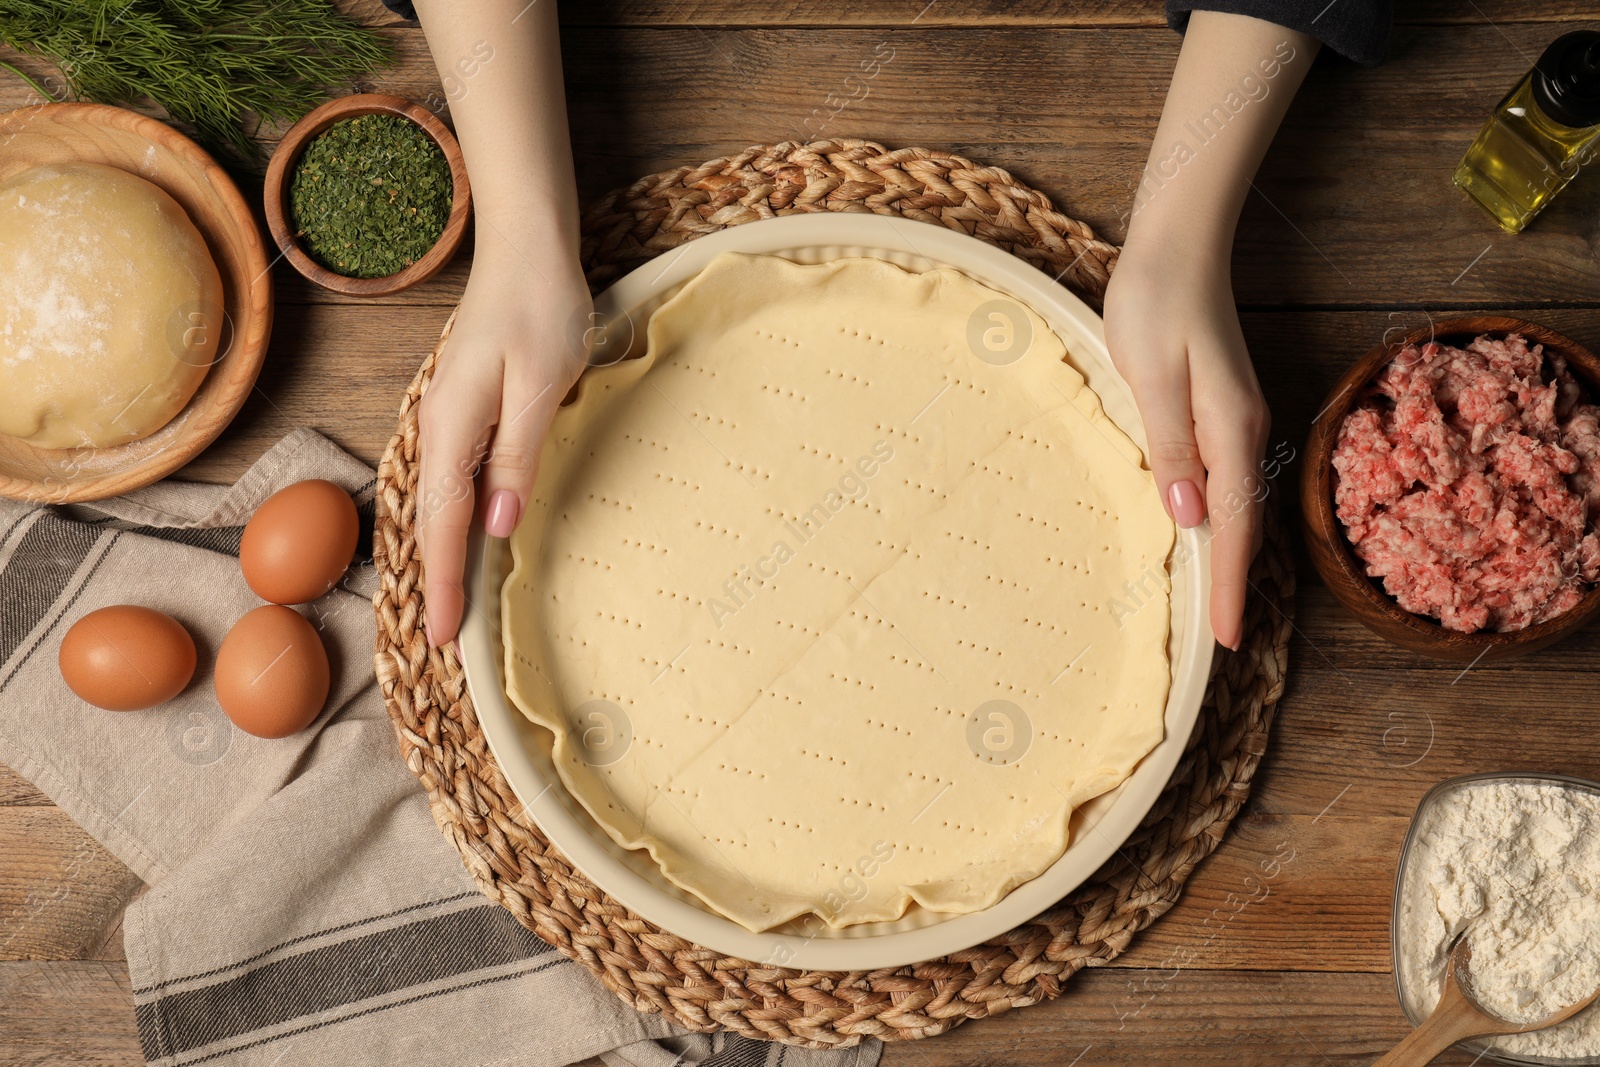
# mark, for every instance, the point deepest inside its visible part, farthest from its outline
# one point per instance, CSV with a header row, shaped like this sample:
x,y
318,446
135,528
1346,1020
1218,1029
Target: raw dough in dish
x,y
110,307
827,612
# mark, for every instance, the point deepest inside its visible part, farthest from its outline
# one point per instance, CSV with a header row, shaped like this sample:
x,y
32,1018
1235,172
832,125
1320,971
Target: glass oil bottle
x,y
1547,126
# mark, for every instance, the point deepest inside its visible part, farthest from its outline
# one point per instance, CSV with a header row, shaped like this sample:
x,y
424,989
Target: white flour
x,y
1519,864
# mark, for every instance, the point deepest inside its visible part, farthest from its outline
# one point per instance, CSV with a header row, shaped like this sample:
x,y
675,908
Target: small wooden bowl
x,y
281,170
1346,576
96,133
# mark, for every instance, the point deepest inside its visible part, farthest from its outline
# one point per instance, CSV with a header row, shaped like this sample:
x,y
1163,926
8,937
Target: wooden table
x,y
1354,227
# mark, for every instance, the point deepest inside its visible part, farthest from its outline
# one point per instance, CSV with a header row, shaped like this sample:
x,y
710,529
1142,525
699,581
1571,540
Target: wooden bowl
x,y
1346,576
96,133
281,170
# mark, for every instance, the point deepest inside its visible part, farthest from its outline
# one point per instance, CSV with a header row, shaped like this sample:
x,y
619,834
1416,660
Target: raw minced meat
x,y
1469,481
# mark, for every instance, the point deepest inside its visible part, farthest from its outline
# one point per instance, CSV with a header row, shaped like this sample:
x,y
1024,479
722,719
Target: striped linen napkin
x,y
300,907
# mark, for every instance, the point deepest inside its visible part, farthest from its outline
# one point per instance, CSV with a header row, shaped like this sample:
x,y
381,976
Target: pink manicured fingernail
x,y
427,629
1184,500
501,518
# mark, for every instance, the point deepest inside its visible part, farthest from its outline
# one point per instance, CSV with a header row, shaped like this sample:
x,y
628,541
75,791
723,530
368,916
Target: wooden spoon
x,y
1458,1017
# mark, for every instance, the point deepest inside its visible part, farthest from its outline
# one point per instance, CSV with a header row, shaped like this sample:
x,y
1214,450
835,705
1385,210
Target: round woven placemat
x,y
655,971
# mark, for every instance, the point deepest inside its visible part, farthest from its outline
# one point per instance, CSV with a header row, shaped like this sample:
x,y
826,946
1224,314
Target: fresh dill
x,y
220,67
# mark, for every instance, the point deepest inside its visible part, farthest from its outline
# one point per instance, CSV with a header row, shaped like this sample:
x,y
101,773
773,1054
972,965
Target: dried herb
x,y
220,67
370,196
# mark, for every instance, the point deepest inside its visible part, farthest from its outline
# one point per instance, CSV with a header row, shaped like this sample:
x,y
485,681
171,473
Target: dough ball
x,y
110,307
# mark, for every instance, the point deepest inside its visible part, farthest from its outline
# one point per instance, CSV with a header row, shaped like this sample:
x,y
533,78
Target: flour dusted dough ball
x,y
110,307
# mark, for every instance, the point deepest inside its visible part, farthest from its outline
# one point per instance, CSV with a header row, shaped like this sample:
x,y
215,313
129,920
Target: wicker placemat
x,y
695,987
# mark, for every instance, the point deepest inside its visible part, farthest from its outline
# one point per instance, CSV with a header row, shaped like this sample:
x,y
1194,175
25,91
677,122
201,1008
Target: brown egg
x,y
125,658
272,672
299,542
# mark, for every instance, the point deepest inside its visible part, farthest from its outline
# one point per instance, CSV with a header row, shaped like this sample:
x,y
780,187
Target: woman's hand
x,y
1171,324
521,333
518,344
1174,335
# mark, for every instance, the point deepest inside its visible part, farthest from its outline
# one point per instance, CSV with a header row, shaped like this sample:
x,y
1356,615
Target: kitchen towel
x,y
300,906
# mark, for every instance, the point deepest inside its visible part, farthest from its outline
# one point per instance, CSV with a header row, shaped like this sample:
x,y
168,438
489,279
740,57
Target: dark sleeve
x,y
1356,29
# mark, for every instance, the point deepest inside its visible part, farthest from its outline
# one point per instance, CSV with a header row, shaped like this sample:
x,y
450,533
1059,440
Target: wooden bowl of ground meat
x,y
1451,490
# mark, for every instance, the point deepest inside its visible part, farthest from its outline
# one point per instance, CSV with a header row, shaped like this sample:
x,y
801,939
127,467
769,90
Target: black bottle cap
x,y
1567,83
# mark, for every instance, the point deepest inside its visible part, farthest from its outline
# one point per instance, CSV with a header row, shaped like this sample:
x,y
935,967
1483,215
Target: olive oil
x,y
1538,137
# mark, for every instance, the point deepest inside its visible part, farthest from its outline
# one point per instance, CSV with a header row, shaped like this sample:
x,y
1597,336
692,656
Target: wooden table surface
x,y
1353,228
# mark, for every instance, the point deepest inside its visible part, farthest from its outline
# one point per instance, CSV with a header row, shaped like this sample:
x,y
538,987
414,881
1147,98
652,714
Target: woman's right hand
x,y
519,342
521,333
1173,333
1171,323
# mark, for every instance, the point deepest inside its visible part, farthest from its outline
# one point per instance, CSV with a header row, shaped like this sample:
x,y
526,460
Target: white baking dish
x,y
1098,828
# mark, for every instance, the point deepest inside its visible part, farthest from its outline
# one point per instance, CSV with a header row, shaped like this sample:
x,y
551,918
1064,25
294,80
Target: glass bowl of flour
x,y
1512,861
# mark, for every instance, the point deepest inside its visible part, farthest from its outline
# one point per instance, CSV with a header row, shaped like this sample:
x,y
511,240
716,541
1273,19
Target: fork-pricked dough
x,y
776,575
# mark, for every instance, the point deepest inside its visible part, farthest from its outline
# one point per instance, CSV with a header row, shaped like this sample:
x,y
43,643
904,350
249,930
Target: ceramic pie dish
x,y
1098,828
